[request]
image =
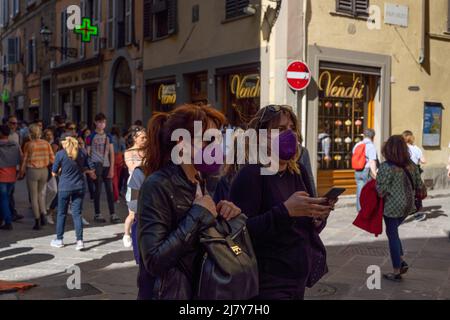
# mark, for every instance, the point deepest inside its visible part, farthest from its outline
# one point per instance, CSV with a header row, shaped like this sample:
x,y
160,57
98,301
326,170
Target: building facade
x,y
202,52
106,75
388,70
25,63
374,64
60,74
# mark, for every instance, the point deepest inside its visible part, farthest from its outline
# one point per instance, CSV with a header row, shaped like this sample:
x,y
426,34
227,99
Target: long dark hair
x,y
159,146
258,123
396,151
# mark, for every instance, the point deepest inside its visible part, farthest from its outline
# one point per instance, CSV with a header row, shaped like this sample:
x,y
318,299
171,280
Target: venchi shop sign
x,y
167,94
247,87
334,89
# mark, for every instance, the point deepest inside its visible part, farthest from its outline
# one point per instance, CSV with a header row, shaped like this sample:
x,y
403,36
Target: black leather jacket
x,y
168,232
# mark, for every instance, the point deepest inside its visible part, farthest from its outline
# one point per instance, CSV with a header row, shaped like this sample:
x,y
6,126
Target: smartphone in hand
x,y
334,193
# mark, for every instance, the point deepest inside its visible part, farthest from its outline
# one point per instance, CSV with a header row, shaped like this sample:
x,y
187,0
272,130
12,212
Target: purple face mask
x,y
288,144
205,168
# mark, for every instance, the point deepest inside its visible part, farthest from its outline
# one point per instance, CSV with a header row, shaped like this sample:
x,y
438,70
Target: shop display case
x,y
341,126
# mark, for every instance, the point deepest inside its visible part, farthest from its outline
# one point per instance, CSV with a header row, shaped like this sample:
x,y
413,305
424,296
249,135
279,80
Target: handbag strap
x,y
408,174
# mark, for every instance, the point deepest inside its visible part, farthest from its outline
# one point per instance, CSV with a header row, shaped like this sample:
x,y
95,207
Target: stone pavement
x,y
108,270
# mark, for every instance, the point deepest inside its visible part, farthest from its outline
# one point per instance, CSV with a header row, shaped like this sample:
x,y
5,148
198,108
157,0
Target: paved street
x,y
108,270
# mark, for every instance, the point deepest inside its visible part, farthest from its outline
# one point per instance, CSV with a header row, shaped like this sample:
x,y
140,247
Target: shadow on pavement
x,y
23,228
13,252
428,278
431,212
24,260
98,277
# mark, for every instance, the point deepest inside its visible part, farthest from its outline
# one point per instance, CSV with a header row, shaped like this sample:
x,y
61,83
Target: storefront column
x,y
182,89
285,45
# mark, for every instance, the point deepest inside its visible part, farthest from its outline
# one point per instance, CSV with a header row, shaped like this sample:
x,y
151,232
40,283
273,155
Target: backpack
x,y
359,157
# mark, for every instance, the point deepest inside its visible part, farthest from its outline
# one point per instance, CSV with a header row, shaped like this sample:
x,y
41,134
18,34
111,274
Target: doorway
x,y
122,95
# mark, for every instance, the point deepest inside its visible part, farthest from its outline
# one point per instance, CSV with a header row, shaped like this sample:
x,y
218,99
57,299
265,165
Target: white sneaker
x,y
69,210
127,242
85,222
50,219
57,244
80,245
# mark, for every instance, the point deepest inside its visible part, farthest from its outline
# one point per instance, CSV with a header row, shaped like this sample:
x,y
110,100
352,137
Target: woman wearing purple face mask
x,y
174,207
284,221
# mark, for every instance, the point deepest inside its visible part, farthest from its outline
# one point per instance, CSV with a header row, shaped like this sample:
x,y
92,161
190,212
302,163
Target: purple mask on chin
x,y
288,144
205,168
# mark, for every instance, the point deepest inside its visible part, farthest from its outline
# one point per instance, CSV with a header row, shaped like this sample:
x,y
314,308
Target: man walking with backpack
x,y
101,152
364,162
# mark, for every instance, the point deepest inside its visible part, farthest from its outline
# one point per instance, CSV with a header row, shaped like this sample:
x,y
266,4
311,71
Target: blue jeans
x,y
361,177
5,194
395,245
64,198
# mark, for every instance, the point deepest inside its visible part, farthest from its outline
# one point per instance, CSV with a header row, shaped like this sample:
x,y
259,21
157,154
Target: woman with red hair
x,y
174,206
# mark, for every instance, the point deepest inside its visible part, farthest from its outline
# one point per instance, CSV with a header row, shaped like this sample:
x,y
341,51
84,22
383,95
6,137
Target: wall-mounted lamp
x,y
46,35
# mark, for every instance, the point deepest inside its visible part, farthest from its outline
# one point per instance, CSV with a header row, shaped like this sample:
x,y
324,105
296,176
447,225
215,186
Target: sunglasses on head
x,y
270,112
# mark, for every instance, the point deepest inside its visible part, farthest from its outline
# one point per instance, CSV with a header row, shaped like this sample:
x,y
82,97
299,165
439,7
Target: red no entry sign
x,y
298,75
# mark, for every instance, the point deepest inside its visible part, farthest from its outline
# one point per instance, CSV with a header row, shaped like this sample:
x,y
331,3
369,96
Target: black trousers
x,y
102,178
91,187
276,288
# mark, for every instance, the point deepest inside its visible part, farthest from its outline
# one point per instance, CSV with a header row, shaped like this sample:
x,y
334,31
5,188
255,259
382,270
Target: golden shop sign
x,y
167,94
334,89
247,87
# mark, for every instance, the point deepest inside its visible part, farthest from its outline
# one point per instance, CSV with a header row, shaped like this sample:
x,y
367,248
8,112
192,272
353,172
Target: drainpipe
x,y
423,34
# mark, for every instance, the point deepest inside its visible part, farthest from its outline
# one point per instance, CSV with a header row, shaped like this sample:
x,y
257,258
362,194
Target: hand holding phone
x,y
334,193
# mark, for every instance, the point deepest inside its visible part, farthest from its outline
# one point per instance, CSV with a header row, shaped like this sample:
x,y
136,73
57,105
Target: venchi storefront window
x,y
242,96
346,108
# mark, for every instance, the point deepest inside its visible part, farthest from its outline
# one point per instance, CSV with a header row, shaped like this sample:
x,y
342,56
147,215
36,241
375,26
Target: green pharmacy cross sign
x,y
86,30
5,96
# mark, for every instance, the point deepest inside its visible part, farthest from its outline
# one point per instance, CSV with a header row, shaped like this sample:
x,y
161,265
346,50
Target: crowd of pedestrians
x,y
171,206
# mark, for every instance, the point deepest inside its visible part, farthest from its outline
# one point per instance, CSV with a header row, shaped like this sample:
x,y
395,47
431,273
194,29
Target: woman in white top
x,y
416,153
133,159
419,159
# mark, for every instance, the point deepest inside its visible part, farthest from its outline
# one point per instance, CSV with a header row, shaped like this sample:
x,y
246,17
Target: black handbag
x,y
229,269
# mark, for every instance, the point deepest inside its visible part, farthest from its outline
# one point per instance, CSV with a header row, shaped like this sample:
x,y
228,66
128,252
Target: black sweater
x,y
287,248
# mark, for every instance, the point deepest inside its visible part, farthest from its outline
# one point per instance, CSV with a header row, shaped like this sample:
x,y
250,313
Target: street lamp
x,y
46,35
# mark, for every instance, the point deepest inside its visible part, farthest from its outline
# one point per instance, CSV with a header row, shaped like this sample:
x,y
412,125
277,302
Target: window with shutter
x,y
18,51
15,8
83,14
12,51
2,23
235,8
353,7
64,35
129,18
96,19
172,16
6,12
160,18
148,19
110,24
